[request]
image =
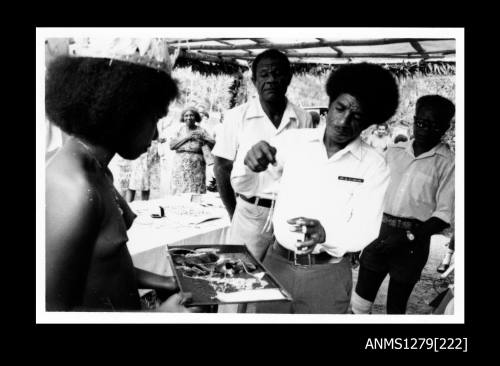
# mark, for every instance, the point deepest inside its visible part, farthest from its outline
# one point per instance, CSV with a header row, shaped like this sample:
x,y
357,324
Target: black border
x,y
345,337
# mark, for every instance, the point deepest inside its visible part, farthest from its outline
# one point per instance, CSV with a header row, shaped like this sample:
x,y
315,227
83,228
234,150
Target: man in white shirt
x,y
380,139
419,203
260,119
330,194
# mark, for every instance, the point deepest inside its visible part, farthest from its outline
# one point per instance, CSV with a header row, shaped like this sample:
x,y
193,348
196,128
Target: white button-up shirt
x,y
248,124
344,192
423,186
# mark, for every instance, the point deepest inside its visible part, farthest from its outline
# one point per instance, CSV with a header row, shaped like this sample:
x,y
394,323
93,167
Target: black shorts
x,y
404,263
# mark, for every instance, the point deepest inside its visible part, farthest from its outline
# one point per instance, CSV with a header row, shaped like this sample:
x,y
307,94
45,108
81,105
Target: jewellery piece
x,y
410,235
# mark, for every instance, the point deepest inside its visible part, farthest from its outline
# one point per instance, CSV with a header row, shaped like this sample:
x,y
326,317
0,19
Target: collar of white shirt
x,y
255,111
440,149
354,147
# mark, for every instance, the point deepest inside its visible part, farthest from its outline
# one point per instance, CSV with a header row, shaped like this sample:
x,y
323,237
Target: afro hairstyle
x,y
100,99
373,86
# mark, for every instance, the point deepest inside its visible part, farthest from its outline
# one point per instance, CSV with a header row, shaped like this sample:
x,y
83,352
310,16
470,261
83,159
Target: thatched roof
x,y
403,56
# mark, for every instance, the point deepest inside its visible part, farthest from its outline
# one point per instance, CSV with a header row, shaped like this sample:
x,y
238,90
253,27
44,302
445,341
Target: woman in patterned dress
x,y
188,174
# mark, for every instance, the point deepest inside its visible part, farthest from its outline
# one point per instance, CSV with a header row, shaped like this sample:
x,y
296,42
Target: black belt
x,y
301,259
264,202
401,222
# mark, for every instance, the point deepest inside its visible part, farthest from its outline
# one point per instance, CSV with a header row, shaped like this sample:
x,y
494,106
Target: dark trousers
x,y
397,295
404,264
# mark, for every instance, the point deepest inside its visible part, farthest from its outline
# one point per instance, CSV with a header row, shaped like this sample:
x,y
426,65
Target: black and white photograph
x,y
250,175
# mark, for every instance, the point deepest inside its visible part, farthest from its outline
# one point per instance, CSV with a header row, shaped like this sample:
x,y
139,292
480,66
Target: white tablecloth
x,y
149,237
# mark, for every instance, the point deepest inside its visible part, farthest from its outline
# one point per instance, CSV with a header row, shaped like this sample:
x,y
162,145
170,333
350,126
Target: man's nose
x,y
343,119
156,135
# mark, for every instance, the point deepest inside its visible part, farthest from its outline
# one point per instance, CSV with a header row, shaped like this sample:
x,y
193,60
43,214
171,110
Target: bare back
x,y
88,266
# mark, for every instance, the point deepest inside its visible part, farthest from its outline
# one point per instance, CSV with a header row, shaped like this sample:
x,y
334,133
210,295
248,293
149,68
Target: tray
x,y
208,290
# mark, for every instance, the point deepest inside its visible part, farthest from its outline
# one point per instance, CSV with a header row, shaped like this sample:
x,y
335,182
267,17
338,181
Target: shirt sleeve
x,y
226,144
360,224
445,195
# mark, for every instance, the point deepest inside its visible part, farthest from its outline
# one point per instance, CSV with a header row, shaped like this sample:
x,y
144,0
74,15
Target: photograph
x,y
250,175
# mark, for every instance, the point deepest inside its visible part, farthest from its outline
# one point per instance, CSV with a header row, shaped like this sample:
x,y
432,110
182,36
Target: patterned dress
x,y
189,165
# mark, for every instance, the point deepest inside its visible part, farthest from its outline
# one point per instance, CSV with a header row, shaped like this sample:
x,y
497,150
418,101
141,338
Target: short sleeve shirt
x,y
248,124
422,186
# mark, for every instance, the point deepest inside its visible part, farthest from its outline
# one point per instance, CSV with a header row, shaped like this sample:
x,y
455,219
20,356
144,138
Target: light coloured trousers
x,y
247,225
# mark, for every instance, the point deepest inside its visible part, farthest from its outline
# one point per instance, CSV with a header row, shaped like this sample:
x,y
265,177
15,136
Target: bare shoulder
x,y
71,188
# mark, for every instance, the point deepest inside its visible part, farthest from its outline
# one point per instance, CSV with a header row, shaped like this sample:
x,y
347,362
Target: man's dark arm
x,y
222,172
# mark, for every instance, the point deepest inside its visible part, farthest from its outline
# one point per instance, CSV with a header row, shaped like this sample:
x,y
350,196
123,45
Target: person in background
x,y
317,229
144,170
189,165
259,119
315,119
419,203
445,264
95,100
380,138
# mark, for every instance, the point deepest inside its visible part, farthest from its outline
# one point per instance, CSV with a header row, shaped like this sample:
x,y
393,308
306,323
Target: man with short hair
x,y
317,226
261,118
419,203
380,138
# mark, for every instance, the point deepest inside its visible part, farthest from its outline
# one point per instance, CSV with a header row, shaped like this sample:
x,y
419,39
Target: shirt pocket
x,y
422,189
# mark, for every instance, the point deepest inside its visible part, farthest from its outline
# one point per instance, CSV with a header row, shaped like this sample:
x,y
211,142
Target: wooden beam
x,y
211,58
345,55
260,40
183,40
336,49
227,43
357,42
418,47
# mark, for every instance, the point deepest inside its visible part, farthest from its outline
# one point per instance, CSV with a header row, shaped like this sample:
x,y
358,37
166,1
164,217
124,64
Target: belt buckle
x,y
301,265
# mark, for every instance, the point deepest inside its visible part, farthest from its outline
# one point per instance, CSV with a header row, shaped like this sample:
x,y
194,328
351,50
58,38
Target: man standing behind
x,y
380,139
260,119
419,203
317,226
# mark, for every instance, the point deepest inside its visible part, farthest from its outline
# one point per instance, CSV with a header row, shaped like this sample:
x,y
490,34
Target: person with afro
x,y
316,229
107,107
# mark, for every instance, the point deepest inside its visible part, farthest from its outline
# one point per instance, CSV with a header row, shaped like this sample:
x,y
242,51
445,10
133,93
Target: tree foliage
x,y
218,93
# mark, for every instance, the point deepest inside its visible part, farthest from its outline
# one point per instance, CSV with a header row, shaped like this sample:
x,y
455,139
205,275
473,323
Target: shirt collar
x,y
440,149
255,111
354,147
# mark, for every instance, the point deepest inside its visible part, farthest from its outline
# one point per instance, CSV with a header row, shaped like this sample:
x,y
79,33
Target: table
x,y
149,237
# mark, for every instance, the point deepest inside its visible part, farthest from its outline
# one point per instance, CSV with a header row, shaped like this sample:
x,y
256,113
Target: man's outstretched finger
x,y
270,153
